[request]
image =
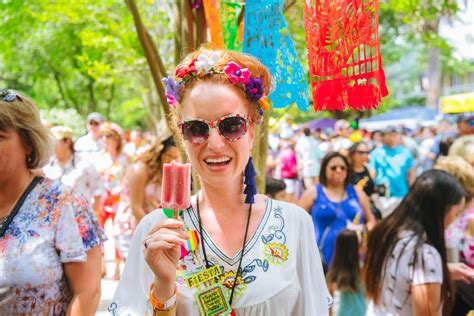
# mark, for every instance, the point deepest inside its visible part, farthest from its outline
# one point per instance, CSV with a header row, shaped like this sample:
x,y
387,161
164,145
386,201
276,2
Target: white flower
x,y
206,63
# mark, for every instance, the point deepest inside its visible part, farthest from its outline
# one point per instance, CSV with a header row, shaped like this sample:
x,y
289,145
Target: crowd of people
x,y
352,222
375,178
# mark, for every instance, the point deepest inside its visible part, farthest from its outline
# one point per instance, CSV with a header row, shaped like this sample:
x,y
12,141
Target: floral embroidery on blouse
x,y
274,253
55,225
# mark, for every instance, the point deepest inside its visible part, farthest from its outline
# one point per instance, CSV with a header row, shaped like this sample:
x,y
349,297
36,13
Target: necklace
x,y
6,220
243,247
3,220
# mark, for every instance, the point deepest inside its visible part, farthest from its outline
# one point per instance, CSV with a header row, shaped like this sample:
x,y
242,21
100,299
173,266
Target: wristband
x,y
158,305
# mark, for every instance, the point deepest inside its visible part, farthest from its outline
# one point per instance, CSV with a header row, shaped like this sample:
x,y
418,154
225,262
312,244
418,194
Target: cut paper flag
x,y
222,18
344,54
266,37
230,11
212,10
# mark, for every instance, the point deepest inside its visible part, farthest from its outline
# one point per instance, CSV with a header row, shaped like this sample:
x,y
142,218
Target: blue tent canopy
x,y
409,116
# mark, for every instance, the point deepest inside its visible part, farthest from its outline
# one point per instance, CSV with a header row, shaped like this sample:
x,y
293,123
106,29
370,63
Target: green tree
x,y
81,55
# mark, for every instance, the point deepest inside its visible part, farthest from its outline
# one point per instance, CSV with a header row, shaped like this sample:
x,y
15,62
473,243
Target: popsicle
x,y
176,187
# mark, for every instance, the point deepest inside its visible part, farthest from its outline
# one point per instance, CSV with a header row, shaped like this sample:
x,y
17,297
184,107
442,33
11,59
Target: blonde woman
x,y
49,237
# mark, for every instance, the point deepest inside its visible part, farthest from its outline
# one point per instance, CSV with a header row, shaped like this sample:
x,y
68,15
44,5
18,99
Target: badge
x,y
200,277
213,301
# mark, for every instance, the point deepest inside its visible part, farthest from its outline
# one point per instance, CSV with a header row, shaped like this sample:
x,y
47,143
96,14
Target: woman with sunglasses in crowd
x,y
254,255
72,169
49,237
360,175
334,203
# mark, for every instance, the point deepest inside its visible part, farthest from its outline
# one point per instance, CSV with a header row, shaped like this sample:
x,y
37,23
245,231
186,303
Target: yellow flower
x,y
227,280
275,253
264,104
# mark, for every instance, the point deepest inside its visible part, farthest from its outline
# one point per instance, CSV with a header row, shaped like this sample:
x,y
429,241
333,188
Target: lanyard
x,y
243,246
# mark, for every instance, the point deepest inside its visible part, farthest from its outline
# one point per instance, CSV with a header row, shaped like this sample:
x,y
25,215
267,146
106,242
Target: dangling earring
x,y
249,181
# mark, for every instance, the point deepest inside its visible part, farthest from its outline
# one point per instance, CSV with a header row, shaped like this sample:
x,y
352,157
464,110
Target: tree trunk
x,y
151,53
178,40
434,67
434,78
259,152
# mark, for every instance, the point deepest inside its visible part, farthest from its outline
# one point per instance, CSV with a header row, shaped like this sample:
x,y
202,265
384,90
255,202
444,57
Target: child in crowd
x,y
275,189
345,275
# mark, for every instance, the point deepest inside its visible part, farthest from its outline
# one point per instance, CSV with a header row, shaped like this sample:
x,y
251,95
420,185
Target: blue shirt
x,y
391,166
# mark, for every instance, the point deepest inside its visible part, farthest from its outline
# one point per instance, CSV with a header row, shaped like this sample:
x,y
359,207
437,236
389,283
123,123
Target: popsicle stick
x,y
169,213
172,213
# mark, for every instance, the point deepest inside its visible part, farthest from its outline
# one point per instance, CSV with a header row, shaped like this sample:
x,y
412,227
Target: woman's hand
x,y
162,249
462,272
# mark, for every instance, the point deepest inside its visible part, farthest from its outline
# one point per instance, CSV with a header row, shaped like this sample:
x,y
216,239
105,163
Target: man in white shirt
x,y
90,145
309,154
342,143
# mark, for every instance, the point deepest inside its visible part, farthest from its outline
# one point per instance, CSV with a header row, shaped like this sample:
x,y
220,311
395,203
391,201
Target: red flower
x,y
183,72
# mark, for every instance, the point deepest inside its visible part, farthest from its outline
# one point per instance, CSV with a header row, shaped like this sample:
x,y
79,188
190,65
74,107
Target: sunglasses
x,y
94,123
232,127
8,95
334,168
362,152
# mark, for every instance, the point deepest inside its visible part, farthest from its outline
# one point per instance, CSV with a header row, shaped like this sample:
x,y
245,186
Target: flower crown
x,y
204,65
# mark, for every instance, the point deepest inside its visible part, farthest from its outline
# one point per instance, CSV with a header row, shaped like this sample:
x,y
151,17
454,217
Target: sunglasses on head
x,y
8,95
334,168
232,127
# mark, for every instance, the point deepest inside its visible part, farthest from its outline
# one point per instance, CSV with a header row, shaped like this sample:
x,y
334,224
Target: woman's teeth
x,y
218,161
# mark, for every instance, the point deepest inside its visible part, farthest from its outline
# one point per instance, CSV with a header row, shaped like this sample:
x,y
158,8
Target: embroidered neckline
x,y
248,246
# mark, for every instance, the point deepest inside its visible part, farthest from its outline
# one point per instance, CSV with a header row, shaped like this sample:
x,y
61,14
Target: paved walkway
x,y
108,285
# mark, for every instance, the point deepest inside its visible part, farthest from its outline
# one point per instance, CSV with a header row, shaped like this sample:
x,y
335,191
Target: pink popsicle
x,y
176,186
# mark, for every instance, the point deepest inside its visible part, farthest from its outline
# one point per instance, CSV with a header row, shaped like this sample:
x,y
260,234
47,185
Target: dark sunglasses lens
x,y
195,131
233,128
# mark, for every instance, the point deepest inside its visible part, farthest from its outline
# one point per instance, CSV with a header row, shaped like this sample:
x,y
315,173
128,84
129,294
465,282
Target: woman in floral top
x,y
49,237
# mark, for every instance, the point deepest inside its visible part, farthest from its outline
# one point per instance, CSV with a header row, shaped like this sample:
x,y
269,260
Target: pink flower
x,y
236,74
171,100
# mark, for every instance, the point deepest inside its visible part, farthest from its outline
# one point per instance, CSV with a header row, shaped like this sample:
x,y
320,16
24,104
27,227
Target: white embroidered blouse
x,y
281,270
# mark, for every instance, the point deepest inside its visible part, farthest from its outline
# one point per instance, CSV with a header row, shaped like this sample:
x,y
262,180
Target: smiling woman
x,y
259,253
333,203
49,237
